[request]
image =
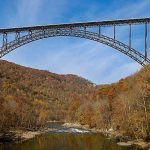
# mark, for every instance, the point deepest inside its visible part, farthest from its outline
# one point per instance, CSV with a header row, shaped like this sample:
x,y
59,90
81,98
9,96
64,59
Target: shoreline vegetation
x,y
22,135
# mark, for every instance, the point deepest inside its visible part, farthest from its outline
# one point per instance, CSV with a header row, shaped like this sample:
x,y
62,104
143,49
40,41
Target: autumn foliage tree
x,y
30,97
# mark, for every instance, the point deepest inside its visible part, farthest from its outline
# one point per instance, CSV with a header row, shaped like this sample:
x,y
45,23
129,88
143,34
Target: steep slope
x,y
125,105
28,97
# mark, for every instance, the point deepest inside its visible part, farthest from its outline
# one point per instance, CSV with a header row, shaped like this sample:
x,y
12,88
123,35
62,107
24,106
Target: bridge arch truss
x,y
76,30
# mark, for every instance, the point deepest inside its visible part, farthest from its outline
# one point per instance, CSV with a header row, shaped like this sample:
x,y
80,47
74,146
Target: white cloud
x,y
123,71
27,12
94,61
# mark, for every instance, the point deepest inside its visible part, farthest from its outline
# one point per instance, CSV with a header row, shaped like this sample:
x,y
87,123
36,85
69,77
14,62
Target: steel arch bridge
x,y
24,35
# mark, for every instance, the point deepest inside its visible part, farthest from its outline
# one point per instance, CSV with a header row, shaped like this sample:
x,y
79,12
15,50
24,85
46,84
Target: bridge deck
x,y
79,24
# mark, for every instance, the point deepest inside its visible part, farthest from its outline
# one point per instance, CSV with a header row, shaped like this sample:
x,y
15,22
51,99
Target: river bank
x,y
21,135
110,133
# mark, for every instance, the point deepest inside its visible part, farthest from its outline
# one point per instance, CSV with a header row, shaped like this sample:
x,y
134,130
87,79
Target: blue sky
x,y
66,55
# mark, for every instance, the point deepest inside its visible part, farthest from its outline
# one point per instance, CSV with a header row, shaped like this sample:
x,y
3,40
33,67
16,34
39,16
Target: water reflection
x,y
67,141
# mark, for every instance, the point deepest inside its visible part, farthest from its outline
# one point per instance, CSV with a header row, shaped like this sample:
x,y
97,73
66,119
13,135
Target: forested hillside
x,y
30,97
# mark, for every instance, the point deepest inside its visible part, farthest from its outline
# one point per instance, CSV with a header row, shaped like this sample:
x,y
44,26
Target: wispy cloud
x,y
94,61
27,12
123,71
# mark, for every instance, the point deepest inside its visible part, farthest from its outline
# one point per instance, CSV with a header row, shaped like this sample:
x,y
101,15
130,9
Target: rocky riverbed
x,y
15,136
110,133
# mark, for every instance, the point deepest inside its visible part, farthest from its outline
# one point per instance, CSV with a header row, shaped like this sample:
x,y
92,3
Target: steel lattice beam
x,y
86,24
77,30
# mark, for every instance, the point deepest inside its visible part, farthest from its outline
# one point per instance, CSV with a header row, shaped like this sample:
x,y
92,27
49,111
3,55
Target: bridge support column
x,y
99,30
145,41
71,29
130,34
4,39
114,32
17,36
30,33
84,30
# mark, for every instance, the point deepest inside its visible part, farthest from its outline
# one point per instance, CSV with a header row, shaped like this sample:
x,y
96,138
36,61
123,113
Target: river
x,y
67,139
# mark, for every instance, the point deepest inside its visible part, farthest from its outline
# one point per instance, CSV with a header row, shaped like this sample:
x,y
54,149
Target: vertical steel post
x,y
130,34
114,32
30,33
71,29
99,30
145,41
17,35
85,30
4,39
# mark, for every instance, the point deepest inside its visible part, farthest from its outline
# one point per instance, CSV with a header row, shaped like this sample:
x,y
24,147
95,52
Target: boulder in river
x,y
124,144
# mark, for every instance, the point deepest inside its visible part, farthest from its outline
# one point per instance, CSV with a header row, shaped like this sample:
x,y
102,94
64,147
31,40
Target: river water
x,y
67,139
